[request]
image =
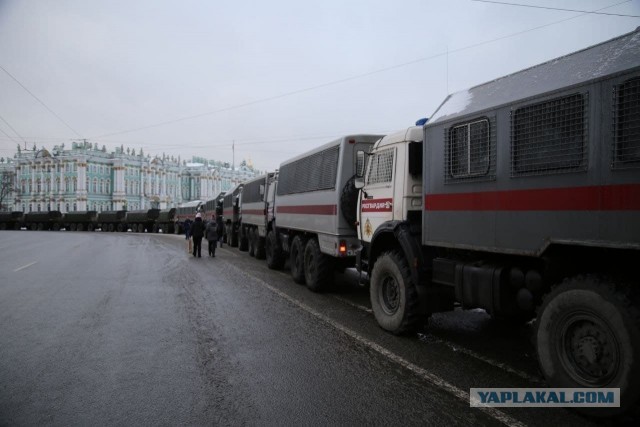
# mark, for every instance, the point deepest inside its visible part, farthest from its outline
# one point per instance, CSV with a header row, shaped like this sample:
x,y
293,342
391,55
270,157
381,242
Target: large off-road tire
x,y
318,267
296,259
3,226
275,257
90,227
588,335
243,239
73,226
349,202
394,297
260,247
252,241
232,237
79,227
120,228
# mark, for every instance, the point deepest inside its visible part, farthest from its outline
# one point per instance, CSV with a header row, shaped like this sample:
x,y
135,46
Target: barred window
x,y
626,143
470,153
549,137
251,191
469,149
381,167
312,173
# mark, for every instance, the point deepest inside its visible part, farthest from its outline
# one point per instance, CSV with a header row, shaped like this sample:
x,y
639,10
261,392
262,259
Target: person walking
x,y
220,228
197,232
187,235
211,234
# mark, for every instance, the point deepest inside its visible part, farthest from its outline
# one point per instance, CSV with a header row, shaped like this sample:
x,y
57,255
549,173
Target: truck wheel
x,y
318,267
244,241
296,259
155,228
90,227
3,226
56,227
72,227
252,242
120,228
40,226
275,258
79,227
394,298
588,335
260,247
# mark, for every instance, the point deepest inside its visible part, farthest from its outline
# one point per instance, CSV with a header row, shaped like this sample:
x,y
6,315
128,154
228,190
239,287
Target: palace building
x,y
86,177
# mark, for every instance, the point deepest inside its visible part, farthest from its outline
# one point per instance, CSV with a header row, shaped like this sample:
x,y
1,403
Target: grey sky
x,y
276,77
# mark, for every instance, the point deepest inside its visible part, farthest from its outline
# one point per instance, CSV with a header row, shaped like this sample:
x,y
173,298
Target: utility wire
x,y
40,101
14,131
556,8
347,79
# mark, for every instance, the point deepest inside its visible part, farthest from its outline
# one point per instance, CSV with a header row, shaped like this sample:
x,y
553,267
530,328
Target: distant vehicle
x,y
148,220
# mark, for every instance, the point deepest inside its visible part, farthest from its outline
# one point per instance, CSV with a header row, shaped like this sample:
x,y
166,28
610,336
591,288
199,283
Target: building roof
x,y
607,58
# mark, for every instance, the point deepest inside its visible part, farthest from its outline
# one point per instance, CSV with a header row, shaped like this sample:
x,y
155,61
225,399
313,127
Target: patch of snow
x,y
454,104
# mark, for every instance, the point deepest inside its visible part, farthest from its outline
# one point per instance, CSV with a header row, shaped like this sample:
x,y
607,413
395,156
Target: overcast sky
x,y
275,78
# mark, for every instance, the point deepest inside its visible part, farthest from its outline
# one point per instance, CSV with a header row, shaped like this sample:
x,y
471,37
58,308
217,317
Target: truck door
x,y
376,198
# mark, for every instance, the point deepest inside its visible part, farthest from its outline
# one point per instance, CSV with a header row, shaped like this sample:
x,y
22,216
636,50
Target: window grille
x,y
312,173
381,167
626,124
251,192
549,137
470,151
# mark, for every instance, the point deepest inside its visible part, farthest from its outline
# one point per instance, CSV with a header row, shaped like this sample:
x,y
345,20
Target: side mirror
x,y
360,164
261,190
359,183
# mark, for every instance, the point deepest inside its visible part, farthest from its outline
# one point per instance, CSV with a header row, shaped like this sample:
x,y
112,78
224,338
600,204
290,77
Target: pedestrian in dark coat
x,y
211,234
187,229
197,232
220,228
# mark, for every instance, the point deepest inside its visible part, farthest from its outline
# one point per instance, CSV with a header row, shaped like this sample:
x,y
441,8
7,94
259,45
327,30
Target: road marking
x,y
452,346
353,304
423,373
433,339
25,266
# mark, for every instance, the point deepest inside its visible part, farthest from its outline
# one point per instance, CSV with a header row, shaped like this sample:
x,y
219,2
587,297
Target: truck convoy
x,y
149,220
520,196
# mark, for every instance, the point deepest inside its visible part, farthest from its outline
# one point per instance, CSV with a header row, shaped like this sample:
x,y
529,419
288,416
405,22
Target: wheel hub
x,y
390,295
591,351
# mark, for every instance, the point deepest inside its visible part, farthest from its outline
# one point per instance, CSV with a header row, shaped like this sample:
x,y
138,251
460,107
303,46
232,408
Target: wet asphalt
x,y
129,329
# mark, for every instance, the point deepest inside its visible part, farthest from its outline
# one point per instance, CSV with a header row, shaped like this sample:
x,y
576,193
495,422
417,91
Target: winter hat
x,y
198,215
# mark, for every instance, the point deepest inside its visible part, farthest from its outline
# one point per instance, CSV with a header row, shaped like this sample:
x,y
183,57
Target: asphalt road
x,y
127,329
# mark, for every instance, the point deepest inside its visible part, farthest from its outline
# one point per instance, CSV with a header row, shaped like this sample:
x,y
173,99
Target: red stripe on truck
x,y
595,198
253,211
309,209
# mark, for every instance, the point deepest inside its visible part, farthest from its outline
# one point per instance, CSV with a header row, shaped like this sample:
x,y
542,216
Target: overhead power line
x,y
40,101
557,8
358,76
14,131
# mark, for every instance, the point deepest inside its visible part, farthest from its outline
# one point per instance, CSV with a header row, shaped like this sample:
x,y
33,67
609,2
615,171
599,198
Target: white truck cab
x,y
391,186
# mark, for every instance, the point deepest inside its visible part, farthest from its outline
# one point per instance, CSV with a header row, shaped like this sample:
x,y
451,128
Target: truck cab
x,y
391,187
